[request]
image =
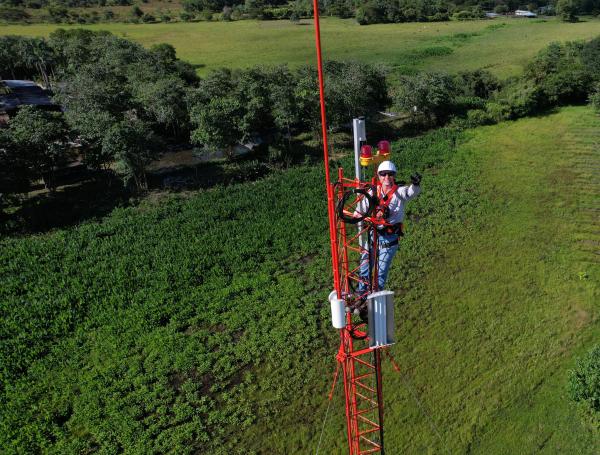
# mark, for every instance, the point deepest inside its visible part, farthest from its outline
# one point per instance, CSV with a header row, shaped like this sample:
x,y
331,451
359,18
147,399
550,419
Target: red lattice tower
x,y
360,361
361,364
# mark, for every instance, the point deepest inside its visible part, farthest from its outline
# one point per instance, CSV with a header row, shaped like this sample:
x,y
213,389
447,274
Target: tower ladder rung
x,y
364,386
364,419
370,400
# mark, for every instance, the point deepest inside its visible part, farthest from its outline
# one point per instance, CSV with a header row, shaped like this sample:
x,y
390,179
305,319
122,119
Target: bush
x,y
206,15
560,74
226,14
590,57
147,17
584,385
479,83
428,97
439,17
185,16
10,14
367,14
136,11
164,17
521,99
477,117
497,112
594,98
465,15
567,10
58,13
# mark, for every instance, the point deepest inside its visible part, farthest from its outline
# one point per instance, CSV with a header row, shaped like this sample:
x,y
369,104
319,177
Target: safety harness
x,y
383,212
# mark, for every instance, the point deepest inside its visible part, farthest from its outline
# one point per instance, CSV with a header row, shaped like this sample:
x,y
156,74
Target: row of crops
x,y
175,326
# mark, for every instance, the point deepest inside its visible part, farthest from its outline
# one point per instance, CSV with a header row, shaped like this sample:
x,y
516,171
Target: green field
x,y
502,46
488,333
198,322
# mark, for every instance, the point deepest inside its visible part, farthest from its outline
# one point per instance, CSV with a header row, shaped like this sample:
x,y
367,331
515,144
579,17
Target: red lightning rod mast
x,y
360,340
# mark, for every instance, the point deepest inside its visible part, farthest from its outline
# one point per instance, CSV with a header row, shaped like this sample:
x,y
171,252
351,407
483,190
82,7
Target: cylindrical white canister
x,y
338,311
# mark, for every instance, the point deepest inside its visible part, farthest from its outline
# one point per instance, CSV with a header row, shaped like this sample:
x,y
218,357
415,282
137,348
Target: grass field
x,y
487,336
503,46
199,323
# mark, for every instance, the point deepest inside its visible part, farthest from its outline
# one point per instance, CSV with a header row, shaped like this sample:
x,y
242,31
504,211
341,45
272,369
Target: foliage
x,y
12,14
108,80
590,56
218,124
479,83
428,97
25,58
160,339
594,98
230,107
14,171
185,325
161,101
354,89
560,74
584,385
567,10
521,99
133,145
40,138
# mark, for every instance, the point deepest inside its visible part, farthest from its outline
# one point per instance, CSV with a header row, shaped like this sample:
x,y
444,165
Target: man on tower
x,y
388,215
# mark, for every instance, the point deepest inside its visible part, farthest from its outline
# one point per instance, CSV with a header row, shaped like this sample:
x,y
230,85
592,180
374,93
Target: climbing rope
x,y
323,427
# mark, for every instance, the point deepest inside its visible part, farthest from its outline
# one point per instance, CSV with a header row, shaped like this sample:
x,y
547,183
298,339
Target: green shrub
x,y
480,83
136,11
147,17
477,117
496,111
206,15
10,14
590,57
58,13
185,16
560,73
522,99
594,98
428,97
584,385
567,10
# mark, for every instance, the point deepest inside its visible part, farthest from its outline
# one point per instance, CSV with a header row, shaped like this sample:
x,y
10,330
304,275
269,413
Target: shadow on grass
x,y
90,197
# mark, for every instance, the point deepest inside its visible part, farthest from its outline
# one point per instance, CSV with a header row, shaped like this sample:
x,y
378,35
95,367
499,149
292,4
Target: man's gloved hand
x,y
415,178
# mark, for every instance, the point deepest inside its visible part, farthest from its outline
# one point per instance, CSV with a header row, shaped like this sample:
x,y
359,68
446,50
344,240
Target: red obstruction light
x,y
366,155
384,147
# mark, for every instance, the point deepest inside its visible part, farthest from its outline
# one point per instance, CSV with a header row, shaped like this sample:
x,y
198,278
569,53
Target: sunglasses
x,y
387,174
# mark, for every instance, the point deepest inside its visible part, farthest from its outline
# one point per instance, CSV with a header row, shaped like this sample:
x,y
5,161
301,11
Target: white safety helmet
x,y
387,166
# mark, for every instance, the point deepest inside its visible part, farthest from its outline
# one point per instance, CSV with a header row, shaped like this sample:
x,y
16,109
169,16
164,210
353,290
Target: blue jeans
x,y
386,254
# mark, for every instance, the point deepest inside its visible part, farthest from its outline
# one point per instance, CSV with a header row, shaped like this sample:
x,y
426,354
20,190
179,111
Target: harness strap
x,y
388,244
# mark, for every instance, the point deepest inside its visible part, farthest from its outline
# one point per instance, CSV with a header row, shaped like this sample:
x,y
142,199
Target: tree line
x,y
364,11
122,104
560,74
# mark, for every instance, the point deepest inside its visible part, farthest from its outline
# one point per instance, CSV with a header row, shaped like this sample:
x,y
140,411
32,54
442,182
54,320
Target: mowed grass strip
x,y
502,46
